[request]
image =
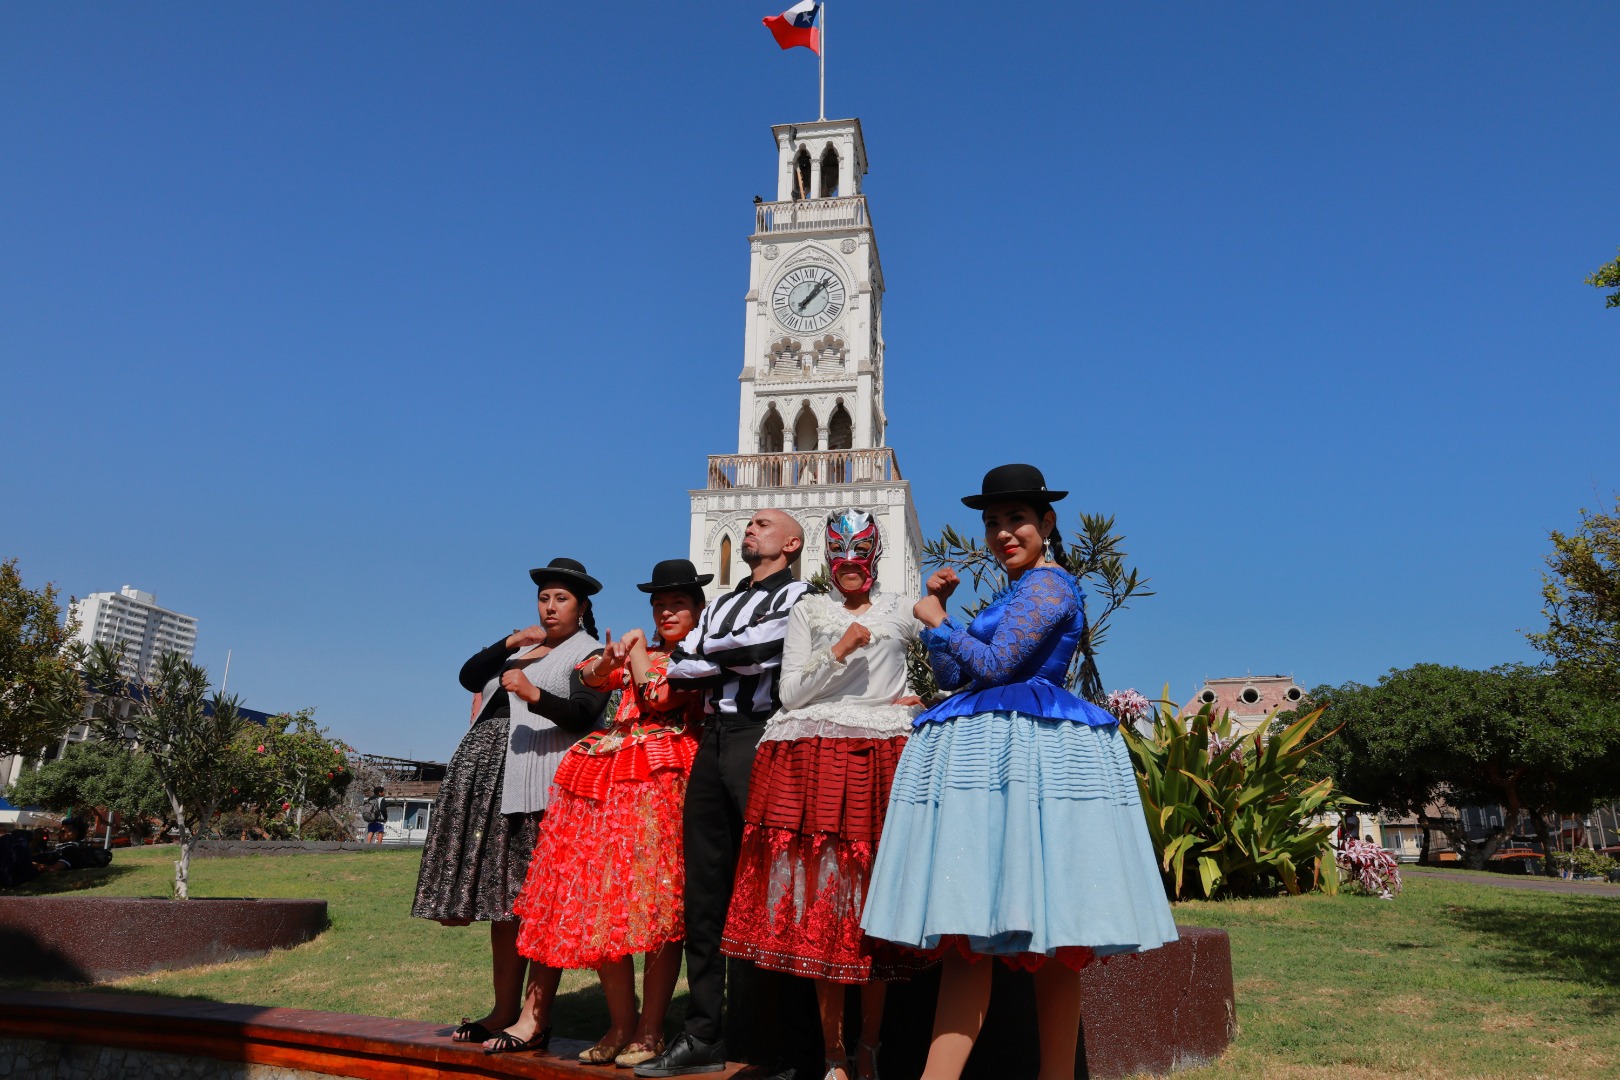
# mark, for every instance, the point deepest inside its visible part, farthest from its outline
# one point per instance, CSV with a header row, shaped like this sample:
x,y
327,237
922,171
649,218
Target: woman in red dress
x,y
607,877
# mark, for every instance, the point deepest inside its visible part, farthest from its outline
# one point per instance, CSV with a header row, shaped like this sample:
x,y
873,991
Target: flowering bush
x,y
1370,867
292,770
1127,705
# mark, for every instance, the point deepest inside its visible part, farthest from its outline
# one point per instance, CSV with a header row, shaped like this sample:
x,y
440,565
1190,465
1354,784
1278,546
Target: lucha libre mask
x,y
853,540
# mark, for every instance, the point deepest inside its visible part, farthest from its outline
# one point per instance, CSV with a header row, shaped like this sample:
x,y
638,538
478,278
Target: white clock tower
x,y
810,430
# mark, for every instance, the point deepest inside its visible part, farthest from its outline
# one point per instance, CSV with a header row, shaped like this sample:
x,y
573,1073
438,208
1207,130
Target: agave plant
x,y
1234,807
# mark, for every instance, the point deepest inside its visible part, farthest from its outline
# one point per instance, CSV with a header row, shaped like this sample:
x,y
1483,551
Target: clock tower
x,y
811,423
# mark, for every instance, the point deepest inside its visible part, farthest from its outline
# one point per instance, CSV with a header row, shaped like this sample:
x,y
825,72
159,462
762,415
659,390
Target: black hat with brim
x,y
569,572
1013,483
675,574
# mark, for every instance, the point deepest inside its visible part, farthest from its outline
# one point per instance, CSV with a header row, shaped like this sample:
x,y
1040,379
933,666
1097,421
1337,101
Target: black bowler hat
x,y
569,572
675,574
1013,483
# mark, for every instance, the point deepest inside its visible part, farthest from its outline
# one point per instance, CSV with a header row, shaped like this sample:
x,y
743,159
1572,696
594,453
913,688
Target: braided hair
x,y
1054,540
1090,679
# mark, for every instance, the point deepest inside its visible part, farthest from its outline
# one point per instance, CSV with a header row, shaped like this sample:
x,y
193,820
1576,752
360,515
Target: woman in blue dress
x,y
1014,827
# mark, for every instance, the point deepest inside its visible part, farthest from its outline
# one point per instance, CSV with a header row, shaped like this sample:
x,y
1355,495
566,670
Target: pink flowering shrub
x,y
1370,867
1127,706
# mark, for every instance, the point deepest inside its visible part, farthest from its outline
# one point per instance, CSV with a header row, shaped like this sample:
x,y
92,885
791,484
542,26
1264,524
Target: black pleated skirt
x,y
476,857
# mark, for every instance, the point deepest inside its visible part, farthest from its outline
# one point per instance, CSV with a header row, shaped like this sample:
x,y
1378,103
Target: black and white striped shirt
x,y
737,647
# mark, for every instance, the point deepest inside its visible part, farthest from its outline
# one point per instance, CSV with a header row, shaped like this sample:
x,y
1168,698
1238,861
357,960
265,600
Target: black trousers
x,y
712,821
780,1025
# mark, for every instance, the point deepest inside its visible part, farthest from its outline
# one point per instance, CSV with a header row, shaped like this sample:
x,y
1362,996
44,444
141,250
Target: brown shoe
x,y
602,1053
639,1051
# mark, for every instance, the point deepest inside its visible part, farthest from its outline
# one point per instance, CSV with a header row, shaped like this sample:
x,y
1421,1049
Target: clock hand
x,y
811,295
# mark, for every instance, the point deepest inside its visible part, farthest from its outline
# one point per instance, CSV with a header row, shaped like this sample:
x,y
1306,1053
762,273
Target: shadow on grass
x,y
70,881
1579,942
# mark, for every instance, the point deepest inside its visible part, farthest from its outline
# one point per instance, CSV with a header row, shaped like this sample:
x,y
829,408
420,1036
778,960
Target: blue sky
x,y
324,322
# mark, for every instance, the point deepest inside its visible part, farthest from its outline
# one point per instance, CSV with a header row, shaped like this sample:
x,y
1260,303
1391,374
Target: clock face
x,y
808,298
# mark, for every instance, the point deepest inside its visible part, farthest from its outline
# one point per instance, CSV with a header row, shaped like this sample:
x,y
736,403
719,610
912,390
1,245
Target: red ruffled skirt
x,y
810,831
1073,957
607,878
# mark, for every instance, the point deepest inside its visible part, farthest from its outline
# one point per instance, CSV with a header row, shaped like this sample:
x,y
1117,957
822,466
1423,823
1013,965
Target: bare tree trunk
x,y
1423,845
182,866
1477,860
1492,844
1539,824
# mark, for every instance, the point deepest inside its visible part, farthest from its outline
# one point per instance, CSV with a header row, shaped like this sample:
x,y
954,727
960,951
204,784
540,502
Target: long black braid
x,y
1090,680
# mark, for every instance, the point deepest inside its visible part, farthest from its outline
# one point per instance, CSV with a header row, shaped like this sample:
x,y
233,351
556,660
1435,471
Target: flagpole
x,y
821,55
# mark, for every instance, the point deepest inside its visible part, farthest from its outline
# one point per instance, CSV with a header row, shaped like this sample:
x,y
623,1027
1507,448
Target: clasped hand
x,y
930,610
529,635
856,637
518,683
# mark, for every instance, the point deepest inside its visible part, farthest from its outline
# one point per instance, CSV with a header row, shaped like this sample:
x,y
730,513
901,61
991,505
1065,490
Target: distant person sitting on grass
x,y
374,813
74,853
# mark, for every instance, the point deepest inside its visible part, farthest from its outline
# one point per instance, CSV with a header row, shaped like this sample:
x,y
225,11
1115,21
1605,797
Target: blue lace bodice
x,y
1015,654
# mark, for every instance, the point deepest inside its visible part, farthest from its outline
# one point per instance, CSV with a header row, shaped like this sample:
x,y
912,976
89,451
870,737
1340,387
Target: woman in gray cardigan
x,y
494,793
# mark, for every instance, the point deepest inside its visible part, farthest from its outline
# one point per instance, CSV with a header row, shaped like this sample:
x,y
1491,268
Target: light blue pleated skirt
x,y
1022,835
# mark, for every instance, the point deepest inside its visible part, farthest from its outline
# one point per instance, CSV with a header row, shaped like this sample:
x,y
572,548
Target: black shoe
x,y
507,1043
470,1031
687,1054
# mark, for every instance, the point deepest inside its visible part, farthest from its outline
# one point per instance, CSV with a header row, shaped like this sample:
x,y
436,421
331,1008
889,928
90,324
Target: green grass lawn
x,y
1450,980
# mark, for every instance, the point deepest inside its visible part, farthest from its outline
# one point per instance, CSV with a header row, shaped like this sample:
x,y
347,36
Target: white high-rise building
x,y
133,617
810,433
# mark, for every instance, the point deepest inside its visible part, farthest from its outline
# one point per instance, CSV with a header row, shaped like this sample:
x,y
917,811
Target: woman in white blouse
x,y
819,789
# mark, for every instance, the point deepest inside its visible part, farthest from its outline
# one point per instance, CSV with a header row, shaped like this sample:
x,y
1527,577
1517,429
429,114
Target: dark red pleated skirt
x,y
814,815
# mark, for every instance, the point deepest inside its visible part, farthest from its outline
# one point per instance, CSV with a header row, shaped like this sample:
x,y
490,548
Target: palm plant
x,y
1234,807
110,692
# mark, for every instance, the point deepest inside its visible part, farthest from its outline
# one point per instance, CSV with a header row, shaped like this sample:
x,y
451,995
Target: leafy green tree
x,y
110,692
1096,557
1607,276
1581,600
41,696
293,769
188,738
1524,738
93,774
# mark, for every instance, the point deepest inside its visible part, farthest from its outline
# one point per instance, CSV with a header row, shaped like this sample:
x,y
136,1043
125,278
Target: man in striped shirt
x,y
736,653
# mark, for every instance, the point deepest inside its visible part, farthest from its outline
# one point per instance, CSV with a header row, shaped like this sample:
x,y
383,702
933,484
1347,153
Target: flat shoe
x,y
470,1031
638,1052
507,1043
602,1053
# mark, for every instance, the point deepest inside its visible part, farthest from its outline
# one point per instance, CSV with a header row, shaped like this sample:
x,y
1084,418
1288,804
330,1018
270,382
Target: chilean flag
x,y
797,26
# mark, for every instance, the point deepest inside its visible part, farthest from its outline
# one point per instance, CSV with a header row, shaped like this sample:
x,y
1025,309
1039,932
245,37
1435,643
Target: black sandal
x,y
507,1043
470,1031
